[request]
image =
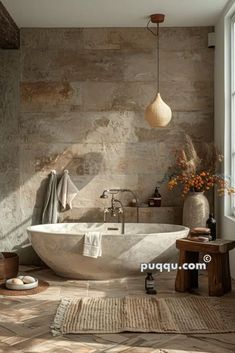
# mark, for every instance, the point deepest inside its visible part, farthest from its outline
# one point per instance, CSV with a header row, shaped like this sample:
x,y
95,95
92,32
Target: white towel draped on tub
x,y
66,191
92,244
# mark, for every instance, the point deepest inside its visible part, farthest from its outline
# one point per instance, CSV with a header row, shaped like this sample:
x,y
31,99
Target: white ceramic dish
x,y
25,286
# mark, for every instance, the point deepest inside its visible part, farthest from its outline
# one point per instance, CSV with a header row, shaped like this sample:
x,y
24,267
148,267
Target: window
x,y
232,115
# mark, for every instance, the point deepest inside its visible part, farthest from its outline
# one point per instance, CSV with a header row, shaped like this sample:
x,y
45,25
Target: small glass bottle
x,y
149,284
211,223
157,198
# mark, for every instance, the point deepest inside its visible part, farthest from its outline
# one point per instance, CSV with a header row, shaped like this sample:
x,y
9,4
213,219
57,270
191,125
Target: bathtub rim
x,y
33,229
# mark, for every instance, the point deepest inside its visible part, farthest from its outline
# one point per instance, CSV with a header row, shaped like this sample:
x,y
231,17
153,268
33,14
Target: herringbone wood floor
x,y
25,320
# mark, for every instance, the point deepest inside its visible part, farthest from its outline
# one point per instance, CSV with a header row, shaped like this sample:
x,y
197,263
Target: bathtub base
x,y
98,277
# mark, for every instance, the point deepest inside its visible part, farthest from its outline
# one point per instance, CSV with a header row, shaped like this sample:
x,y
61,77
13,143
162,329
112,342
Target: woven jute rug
x,y
141,314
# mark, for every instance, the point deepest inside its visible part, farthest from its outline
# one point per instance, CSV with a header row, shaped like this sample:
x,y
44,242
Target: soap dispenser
x,y
156,200
150,284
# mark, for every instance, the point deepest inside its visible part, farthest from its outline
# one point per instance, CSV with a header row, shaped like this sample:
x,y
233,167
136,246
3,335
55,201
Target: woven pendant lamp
x,y
158,113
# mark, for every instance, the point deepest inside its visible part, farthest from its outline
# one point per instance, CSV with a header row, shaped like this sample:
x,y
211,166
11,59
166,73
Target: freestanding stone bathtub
x,y
60,246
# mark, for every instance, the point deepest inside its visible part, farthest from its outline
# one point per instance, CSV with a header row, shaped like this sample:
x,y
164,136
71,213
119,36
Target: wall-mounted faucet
x,y
113,192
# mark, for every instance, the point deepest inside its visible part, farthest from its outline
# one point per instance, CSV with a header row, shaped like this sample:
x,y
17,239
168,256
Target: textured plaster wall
x,y
10,225
83,93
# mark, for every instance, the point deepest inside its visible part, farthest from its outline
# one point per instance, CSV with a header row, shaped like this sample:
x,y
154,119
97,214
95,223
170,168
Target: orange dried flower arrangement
x,y
196,173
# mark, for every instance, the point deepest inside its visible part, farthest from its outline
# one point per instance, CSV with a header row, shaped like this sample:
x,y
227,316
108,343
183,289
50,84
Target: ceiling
x,y
112,13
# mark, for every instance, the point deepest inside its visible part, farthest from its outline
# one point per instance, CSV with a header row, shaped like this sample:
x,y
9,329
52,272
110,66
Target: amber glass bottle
x,y
149,284
211,223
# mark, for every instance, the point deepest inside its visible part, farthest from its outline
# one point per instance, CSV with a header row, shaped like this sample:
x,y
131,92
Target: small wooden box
x,y
9,266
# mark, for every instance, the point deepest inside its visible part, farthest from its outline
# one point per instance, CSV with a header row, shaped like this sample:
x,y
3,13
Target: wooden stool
x,y
219,279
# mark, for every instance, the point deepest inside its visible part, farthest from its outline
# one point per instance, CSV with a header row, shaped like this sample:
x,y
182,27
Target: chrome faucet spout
x,y
104,195
133,194
136,201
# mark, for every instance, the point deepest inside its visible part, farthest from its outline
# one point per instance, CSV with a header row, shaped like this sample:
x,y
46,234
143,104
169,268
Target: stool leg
x,y
184,279
226,273
2,271
194,258
215,275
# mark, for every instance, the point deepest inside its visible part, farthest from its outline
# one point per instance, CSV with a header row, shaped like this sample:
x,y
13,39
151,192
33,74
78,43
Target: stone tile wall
x,y
83,93
10,224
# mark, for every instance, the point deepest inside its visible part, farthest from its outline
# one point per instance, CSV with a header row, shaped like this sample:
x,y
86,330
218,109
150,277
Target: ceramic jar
x,y
196,210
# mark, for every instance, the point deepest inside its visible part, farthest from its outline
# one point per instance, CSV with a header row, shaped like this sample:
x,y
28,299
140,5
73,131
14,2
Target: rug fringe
x,y
59,317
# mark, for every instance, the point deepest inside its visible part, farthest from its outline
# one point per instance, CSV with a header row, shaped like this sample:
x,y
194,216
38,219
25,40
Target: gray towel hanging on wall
x,y
50,209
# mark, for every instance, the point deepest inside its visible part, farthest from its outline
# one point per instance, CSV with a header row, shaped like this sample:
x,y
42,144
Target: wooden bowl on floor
x,y
9,266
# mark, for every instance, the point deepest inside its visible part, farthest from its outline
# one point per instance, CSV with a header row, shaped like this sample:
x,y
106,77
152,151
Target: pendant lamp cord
x,y
156,34
158,60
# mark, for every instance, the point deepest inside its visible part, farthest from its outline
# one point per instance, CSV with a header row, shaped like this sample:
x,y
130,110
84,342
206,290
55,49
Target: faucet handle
x,y
106,210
